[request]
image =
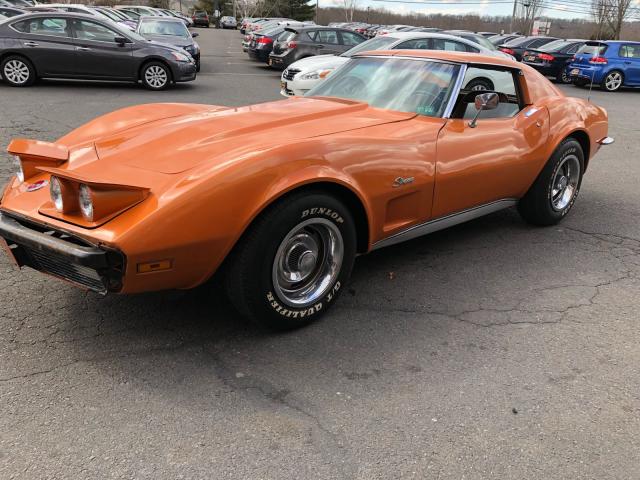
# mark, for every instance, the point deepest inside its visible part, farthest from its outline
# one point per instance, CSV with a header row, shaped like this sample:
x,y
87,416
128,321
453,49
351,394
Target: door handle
x,y
320,46
627,62
83,49
30,44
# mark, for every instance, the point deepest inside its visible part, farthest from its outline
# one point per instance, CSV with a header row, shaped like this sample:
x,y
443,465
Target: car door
x,y
99,55
630,55
496,160
48,43
327,42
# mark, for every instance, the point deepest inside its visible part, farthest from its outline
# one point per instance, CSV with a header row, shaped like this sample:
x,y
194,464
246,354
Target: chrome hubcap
x,y
16,71
307,262
155,76
565,183
613,81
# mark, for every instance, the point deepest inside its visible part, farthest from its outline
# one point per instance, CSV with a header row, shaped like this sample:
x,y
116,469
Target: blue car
x,y
610,64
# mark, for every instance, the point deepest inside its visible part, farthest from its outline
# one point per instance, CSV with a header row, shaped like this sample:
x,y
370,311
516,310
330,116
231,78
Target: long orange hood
x,y
176,144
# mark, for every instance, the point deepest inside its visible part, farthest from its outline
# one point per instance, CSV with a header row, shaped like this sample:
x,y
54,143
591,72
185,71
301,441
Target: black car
x,y
200,18
261,45
517,46
11,11
553,58
172,31
472,37
72,45
296,43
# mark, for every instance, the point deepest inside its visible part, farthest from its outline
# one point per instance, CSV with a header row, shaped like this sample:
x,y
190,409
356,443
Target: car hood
x,y
168,40
319,61
177,144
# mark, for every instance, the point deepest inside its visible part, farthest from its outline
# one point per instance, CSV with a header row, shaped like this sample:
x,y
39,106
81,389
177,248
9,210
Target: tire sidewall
x,y
155,64
268,305
26,62
571,147
604,81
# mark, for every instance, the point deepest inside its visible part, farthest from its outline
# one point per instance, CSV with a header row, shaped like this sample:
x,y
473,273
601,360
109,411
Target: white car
x,y
304,74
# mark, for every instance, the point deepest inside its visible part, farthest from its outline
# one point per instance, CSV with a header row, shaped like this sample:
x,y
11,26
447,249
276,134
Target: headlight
x,y
17,168
55,189
86,202
317,74
181,57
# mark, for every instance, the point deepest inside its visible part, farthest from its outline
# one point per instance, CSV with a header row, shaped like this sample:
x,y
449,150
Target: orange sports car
x,y
280,197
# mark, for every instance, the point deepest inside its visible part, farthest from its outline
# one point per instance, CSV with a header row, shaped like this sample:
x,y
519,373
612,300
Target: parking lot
x,y
491,350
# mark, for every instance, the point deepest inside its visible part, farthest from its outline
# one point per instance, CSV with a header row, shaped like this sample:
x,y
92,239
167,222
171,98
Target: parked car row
x,y
609,64
54,43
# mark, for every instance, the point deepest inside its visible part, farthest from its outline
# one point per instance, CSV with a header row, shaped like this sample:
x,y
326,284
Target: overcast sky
x,y
481,7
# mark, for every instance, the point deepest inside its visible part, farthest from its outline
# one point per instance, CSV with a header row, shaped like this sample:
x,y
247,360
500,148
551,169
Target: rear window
x,y
201,14
555,46
286,36
594,49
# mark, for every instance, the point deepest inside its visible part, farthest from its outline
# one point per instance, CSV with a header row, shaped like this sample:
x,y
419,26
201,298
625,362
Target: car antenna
x,y
593,75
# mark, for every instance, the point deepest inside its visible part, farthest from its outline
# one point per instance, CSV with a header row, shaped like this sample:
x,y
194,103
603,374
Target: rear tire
x,y
563,77
613,81
554,192
17,71
292,263
155,76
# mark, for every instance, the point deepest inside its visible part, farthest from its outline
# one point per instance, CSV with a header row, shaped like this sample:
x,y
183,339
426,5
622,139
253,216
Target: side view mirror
x,y
195,34
121,40
484,101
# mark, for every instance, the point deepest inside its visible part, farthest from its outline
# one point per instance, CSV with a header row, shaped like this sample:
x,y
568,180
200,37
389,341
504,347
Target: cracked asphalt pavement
x,y
492,350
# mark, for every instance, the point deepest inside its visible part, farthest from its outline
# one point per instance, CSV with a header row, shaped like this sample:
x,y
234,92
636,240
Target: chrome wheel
x,y
565,183
613,81
16,71
307,262
156,76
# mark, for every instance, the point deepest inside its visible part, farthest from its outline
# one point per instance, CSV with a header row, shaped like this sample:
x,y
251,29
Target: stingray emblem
x,y
37,186
400,181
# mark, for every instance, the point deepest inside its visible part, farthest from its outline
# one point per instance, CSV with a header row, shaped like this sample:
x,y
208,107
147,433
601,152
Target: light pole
x,y
317,6
513,15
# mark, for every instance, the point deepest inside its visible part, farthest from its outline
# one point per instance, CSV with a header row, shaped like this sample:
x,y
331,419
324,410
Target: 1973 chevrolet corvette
x,y
280,197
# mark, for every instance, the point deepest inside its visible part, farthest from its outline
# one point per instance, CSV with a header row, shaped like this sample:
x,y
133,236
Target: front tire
x,y
554,192
613,81
17,71
293,262
155,76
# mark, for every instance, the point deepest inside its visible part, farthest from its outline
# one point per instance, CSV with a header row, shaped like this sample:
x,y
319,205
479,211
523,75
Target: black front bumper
x,y
62,254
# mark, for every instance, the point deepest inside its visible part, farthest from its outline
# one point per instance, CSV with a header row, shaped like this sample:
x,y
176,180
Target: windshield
x,y
163,27
483,41
378,43
400,84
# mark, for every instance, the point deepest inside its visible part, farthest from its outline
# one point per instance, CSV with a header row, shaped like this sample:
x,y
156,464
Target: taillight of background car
x,y
507,50
292,45
545,57
598,60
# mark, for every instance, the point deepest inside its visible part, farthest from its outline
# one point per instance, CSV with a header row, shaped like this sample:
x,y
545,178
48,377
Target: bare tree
x,y
350,6
618,12
527,12
600,13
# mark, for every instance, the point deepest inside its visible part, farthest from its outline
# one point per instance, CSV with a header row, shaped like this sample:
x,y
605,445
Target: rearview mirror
x,y
195,34
121,40
484,101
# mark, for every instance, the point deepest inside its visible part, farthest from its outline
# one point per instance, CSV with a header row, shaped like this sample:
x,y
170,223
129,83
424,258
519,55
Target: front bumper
x,y
61,254
185,71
